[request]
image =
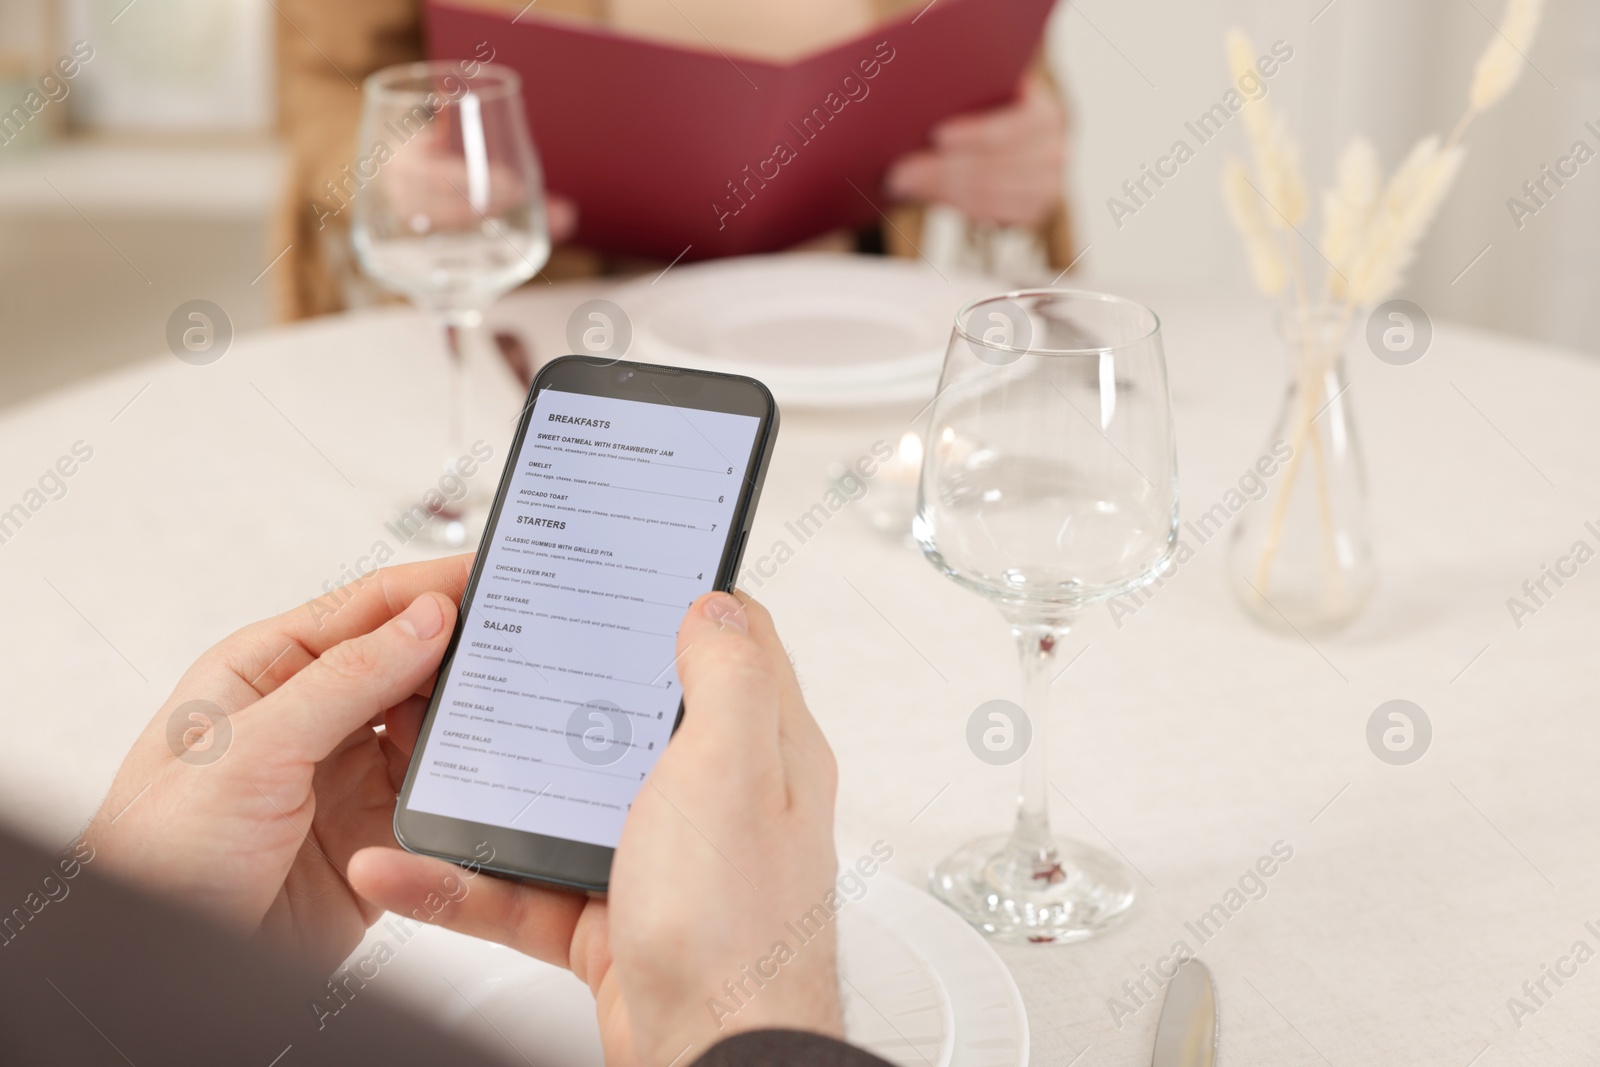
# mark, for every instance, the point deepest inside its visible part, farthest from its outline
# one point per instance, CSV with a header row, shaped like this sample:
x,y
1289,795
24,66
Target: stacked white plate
x,y
821,330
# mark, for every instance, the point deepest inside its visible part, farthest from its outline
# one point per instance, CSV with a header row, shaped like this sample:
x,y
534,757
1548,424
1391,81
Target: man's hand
x,y
730,839
252,820
1002,166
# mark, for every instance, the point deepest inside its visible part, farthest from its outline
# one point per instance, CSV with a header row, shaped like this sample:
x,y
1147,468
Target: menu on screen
x,y
561,689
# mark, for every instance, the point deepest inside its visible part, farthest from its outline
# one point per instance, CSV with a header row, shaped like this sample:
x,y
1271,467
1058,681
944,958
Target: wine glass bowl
x,y
1049,483
450,214
453,215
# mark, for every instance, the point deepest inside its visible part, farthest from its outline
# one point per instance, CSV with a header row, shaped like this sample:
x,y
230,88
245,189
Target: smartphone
x,y
629,491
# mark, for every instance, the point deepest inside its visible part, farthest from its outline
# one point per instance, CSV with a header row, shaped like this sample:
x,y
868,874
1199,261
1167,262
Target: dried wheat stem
x,y
1297,272
1280,506
1333,579
1313,370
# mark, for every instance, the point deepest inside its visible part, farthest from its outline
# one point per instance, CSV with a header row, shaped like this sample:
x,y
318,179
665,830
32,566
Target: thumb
x,y
730,685
351,684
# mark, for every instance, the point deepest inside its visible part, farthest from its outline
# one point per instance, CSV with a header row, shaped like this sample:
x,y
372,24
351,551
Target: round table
x,y
1415,900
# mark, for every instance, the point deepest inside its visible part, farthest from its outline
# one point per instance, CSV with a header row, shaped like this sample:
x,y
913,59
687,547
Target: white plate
x,y
819,329
895,1006
990,1022
921,989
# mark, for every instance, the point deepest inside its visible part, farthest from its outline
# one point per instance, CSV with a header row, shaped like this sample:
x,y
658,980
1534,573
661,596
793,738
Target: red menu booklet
x,y
673,151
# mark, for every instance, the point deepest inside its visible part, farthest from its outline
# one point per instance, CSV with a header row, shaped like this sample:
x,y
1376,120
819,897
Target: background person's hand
x,y
430,183
1001,166
252,821
730,839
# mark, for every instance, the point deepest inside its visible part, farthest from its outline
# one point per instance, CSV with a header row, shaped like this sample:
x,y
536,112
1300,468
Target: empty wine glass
x,y
1049,482
450,213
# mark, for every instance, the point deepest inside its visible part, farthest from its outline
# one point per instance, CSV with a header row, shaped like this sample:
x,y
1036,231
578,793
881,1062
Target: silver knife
x,y
1186,1034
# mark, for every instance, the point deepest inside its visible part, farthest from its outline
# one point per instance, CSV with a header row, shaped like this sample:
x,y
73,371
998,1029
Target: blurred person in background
x,y
1000,168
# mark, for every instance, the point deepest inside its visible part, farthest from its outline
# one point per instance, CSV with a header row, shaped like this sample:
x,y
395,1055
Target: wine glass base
x,y
1005,894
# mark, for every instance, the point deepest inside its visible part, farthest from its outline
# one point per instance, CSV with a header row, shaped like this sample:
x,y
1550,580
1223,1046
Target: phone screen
x,y
563,690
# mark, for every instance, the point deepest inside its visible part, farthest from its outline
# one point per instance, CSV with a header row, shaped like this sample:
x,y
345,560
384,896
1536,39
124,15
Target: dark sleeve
x,y
786,1048
92,974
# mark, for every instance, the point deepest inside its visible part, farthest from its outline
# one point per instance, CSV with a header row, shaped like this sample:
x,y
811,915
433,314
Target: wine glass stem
x,y
458,400
457,327
1037,645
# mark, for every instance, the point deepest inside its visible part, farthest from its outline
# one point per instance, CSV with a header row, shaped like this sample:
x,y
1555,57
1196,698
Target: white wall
x,y
1137,69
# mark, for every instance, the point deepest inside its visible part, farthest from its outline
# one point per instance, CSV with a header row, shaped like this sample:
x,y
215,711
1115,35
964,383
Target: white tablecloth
x,y
1418,899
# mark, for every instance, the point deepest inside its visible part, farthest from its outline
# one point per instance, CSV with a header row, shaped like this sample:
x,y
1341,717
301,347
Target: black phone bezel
x,y
537,857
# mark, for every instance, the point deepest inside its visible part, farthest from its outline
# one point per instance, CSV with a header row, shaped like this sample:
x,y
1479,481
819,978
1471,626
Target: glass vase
x,y
1300,557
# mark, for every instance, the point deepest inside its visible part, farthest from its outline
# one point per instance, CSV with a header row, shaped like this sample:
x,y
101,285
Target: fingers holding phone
x,y
535,920
715,922
243,806
721,881
713,662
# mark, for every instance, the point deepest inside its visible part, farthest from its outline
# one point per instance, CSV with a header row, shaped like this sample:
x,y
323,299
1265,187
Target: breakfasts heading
x,y
579,420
